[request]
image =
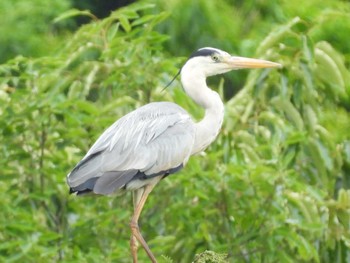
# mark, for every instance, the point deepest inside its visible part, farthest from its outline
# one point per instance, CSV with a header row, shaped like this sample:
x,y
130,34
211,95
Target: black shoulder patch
x,y
204,52
142,176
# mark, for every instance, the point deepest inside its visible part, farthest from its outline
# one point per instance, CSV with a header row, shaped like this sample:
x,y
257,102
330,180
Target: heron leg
x,y
137,194
140,198
133,246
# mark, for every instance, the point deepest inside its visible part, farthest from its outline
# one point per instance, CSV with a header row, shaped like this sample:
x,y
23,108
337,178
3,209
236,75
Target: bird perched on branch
x,y
157,139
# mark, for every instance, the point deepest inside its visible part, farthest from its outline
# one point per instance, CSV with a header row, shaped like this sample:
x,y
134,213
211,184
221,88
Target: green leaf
x,y
142,20
87,107
291,112
112,31
72,13
124,23
276,35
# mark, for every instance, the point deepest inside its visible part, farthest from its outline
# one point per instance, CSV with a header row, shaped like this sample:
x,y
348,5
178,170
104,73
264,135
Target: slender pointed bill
x,y
242,62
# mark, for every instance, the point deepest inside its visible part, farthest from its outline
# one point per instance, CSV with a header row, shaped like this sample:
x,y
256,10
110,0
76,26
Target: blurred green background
x,y
274,187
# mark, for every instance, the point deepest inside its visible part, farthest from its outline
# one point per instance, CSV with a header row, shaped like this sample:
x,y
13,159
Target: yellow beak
x,y
242,62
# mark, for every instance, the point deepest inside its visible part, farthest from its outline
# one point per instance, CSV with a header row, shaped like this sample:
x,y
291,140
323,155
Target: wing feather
x,y
155,138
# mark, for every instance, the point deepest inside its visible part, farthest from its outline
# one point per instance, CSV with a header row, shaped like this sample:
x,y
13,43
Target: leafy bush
x,y
52,109
26,28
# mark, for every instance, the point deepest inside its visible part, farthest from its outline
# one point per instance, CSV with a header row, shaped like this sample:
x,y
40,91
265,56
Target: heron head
x,y
213,61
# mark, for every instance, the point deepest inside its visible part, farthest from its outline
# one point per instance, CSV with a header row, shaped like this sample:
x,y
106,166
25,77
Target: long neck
x,y
208,128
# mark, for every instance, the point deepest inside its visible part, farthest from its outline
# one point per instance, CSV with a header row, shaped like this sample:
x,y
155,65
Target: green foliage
x,y
210,257
238,26
50,107
26,27
288,160
274,187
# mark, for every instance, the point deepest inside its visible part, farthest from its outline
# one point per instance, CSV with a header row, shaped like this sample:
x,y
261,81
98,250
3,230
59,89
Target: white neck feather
x,y
194,84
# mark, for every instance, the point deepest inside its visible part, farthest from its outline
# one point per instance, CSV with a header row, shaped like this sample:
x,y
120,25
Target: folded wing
x,y
154,140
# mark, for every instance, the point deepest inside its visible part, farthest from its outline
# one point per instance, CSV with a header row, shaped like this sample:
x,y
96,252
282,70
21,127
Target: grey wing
x,y
153,140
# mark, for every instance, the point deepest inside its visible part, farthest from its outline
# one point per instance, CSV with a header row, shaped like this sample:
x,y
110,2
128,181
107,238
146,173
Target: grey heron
x,y
157,139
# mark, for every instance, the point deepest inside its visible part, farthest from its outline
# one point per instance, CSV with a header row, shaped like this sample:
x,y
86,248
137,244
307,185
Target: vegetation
x,y
274,187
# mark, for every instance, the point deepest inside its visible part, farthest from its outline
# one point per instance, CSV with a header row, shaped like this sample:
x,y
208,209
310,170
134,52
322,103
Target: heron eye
x,y
215,58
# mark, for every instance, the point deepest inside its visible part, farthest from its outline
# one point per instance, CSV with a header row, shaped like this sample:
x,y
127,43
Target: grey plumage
x,y
151,141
